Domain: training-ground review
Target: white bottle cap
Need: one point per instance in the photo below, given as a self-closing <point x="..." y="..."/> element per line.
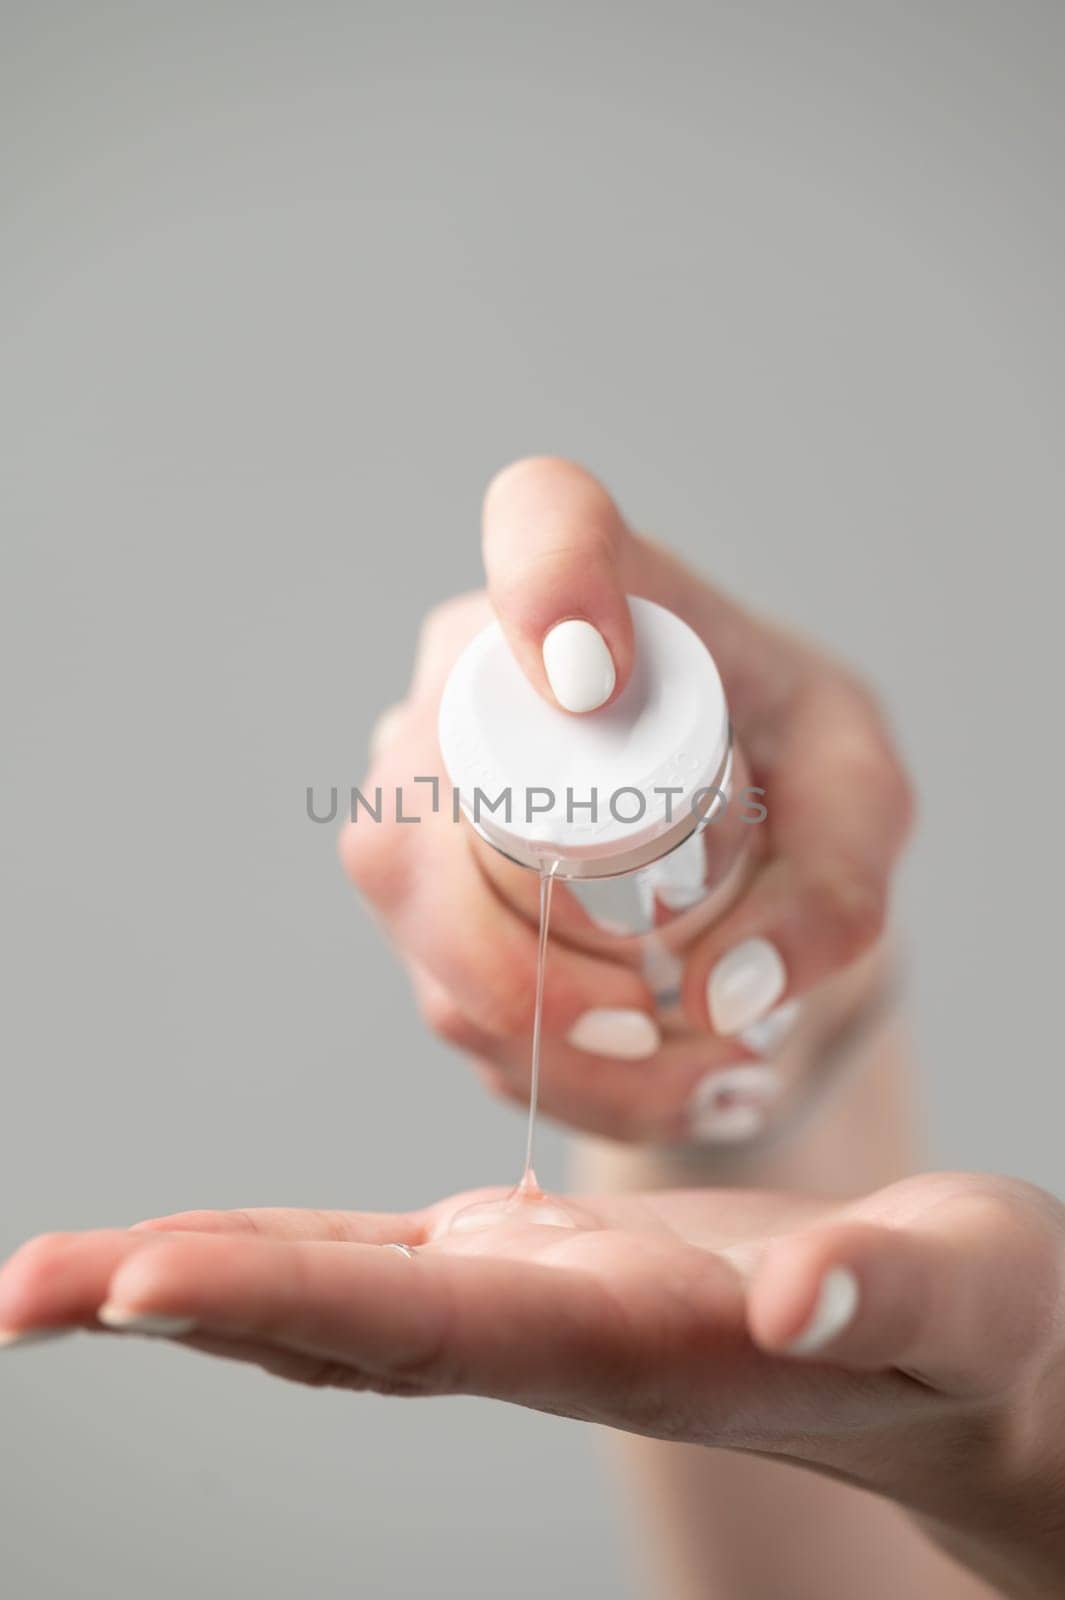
<point x="505" y="747"/>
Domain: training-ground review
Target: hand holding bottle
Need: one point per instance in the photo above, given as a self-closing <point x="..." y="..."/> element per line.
<point x="560" y="564"/>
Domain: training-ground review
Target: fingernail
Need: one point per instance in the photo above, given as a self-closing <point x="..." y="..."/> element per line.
<point x="615" y="1031"/>
<point x="730" y="1106"/>
<point x="837" y="1301"/>
<point x="579" y="666"/>
<point x="745" y="985"/>
<point x="150" y="1322"/>
<point x="766" y="1037"/>
<point x="13" y="1336"/>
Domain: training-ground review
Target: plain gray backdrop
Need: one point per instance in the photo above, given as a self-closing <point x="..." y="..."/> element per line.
<point x="282" y="285"/>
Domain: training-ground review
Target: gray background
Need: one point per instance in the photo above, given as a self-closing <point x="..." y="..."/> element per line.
<point x="282" y="286"/>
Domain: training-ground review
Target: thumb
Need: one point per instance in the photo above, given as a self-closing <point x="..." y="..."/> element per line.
<point x="553" y="547"/>
<point x="963" y="1298"/>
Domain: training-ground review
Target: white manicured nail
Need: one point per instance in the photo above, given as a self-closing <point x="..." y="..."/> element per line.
<point x="730" y="1106"/>
<point x="579" y="666"/>
<point x="149" y="1322"/>
<point x="766" y="1037"/>
<point x="837" y="1301"/>
<point x="9" y="1337"/>
<point x="744" y="986"/>
<point x="615" y="1031"/>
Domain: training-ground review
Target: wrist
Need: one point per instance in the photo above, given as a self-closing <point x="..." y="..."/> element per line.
<point x="1009" y="1523"/>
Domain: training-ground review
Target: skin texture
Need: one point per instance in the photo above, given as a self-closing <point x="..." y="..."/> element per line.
<point x="840" y="807"/>
<point x="839" y="810"/>
<point x="670" y="1316"/>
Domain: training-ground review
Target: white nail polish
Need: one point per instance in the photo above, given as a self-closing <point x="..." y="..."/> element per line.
<point x="730" y="1106"/>
<point x="766" y="1037"/>
<point x="615" y="1031"/>
<point x="9" y="1337"/>
<point x="837" y="1301"/>
<point x="579" y="666"/>
<point x="149" y="1322"/>
<point x="744" y="986"/>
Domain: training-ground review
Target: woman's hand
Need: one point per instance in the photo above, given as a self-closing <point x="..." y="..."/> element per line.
<point x="910" y="1342"/>
<point x="557" y="552"/>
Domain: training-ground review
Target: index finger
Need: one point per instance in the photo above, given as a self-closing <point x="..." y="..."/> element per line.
<point x="553" y="548"/>
<point x="439" y="1323"/>
<point x="286" y="1222"/>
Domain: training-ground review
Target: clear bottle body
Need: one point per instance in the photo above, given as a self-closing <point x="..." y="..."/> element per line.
<point x="648" y="915"/>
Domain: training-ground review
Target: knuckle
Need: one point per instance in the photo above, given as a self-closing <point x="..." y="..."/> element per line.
<point x="332" y="1225"/>
<point x="43" y="1249"/>
<point x="848" y="909"/>
<point x="894" y="783"/>
<point x="506" y="1009"/>
<point x="500" y="1083"/>
<point x="444" y="1018"/>
<point x="245" y="1221"/>
<point x="1030" y="1222"/>
<point x="865" y="700"/>
<point x="41" y="1260"/>
<point x="44" y="1246"/>
<point x="374" y="860"/>
<point x="566" y="999"/>
<point x="1022" y="1226"/>
<point x="429" y="1363"/>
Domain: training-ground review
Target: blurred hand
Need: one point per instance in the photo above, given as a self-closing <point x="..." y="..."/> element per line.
<point x="560" y="562"/>
<point x="911" y="1342"/>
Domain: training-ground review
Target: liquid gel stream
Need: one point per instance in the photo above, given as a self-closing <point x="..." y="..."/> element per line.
<point x="527" y="1202"/>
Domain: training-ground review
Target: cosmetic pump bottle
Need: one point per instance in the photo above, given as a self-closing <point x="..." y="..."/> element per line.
<point x="643" y="810"/>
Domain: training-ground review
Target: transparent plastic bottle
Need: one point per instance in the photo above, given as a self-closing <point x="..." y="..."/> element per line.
<point x="646" y="807"/>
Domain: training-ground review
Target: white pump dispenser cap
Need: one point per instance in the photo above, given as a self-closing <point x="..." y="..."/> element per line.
<point x="668" y="730"/>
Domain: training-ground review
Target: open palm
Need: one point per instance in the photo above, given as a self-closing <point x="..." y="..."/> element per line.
<point x="887" y="1340"/>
